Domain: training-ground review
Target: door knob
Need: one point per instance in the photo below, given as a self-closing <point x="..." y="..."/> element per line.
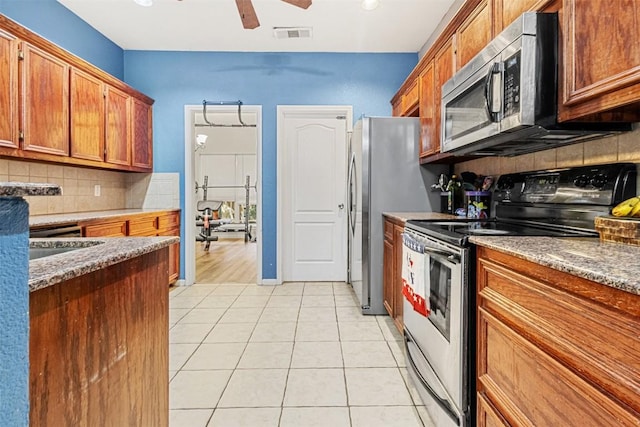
<point x="341" y="206"/>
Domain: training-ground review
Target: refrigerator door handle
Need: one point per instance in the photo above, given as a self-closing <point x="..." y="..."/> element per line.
<point x="353" y="188"/>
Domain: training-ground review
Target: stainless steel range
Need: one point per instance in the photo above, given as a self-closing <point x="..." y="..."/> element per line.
<point x="439" y="265"/>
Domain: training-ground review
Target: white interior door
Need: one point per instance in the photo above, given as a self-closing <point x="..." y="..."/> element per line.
<point x="313" y="197"/>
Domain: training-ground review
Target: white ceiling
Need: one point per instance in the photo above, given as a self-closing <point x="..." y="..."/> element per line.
<point x="214" y="25"/>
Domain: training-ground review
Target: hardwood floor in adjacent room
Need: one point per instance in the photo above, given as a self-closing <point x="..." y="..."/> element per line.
<point x="227" y="261"/>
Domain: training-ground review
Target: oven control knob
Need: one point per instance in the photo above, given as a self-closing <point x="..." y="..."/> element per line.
<point x="599" y="180"/>
<point x="581" y="181"/>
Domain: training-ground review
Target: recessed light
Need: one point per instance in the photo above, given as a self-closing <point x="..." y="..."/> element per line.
<point x="370" y="4"/>
<point x="145" y="3"/>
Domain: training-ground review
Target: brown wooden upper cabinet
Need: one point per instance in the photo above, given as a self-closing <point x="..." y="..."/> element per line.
<point x="444" y="67"/>
<point x="45" y="102"/>
<point x="8" y="90"/>
<point x="56" y="107"/>
<point x="474" y="34"/>
<point x="428" y="136"/>
<point x="601" y="58"/>
<point x="118" y="139"/>
<point x="599" y="63"/>
<point x="87" y="116"/>
<point x="141" y="138"/>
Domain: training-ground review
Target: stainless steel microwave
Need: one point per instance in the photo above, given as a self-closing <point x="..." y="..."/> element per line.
<point x="504" y="101"/>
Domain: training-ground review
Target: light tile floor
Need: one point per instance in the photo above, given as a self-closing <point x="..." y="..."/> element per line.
<point x="295" y="355"/>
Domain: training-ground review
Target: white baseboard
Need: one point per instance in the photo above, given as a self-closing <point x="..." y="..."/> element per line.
<point x="180" y="282"/>
<point x="270" y="282"/>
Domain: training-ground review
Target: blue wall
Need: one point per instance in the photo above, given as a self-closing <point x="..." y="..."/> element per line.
<point x="58" y="24"/>
<point x="14" y="315"/>
<point x="176" y="79"/>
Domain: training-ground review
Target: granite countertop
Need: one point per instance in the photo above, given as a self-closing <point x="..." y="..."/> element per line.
<point x="405" y="216"/>
<point x="612" y="264"/>
<point x="94" y="254"/>
<point x="19" y="189"/>
<point x="56" y="219"/>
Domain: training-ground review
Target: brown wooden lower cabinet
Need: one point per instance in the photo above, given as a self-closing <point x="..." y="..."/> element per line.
<point x="392" y="268"/>
<point x="98" y="347"/>
<point x="554" y="349"/>
<point x="161" y="223"/>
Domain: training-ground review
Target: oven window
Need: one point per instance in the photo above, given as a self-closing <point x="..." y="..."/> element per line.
<point x="440" y="295"/>
<point x="467" y="112"/>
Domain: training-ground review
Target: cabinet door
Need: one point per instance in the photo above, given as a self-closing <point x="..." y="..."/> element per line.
<point x="45" y="102"/>
<point x="87" y="116"/>
<point x="8" y="90"/>
<point x="487" y="416"/>
<point x="397" y="277"/>
<point x="518" y="372"/>
<point x="428" y="132"/>
<point x="118" y="127"/>
<point x="141" y="139"/>
<point x="444" y="66"/>
<point x="410" y="100"/>
<point x="474" y="34"/>
<point x="601" y="56"/>
<point x="174" y="256"/>
<point x="387" y="279"/>
<point x="169" y="225"/>
<point x="506" y="11"/>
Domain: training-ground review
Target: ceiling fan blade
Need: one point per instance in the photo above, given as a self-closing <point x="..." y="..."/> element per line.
<point x="300" y="3"/>
<point x="247" y="14"/>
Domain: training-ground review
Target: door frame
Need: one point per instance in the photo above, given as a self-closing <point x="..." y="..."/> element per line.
<point x="189" y="193"/>
<point x="301" y="111"/>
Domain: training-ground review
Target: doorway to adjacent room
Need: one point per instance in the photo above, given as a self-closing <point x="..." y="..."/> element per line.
<point x="222" y="194"/>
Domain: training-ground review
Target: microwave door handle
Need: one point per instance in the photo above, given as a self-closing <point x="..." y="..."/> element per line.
<point x="488" y="92"/>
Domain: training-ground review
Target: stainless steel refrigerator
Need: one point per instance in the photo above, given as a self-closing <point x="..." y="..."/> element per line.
<point x="384" y="176"/>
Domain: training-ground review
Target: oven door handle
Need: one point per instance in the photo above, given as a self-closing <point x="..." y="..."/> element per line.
<point x="444" y="403"/>
<point x="435" y="251"/>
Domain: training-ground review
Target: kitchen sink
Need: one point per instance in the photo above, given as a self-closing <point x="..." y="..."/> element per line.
<point x="35" y="253"/>
<point x="40" y="248"/>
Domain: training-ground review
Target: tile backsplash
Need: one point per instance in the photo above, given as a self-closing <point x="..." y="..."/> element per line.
<point x="619" y="148"/>
<point x="153" y="191"/>
<point x="118" y="190"/>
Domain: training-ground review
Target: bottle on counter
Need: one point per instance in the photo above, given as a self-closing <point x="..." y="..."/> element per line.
<point x="454" y="196"/>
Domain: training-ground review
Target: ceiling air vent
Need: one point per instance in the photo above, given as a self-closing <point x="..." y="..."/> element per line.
<point x="292" y="32"/>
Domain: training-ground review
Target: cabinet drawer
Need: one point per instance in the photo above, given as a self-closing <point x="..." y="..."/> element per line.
<point x="168" y="221"/>
<point x="105" y="229"/>
<point x="529" y="387"/>
<point x="146" y="225"/>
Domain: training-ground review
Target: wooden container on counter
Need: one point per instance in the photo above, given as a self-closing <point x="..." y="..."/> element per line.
<point x="618" y="229"/>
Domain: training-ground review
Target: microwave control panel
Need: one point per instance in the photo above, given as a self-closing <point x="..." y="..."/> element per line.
<point x="512" y="85"/>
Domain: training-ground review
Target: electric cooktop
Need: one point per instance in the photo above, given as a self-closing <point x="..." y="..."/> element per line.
<point x="459" y="231"/>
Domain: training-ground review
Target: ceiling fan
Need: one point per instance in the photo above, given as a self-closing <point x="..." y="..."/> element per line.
<point x="248" y="13"/>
